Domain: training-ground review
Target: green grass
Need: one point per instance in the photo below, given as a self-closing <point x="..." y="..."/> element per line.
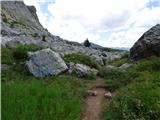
<point x="118" y="62"/>
<point x="25" y="97"/>
<point x="81" y="59"/>
<point x="138" y="96"/>
<point x="56" y="98"/>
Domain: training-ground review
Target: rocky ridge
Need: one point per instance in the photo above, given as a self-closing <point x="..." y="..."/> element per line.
<point x="20" y="25"/>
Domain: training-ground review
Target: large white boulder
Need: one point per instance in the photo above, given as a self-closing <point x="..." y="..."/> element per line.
<point x="45" y="62"/>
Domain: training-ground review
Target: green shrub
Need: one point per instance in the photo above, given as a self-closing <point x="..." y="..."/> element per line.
<point x="18" y="54"/>
<point x="135" y="102"/>
<point x="138" y="92"/>
<point x="81" y="59"/>
<point x="111" y="73"/>
<point x="150" y="64"/>
<point x="7" y="56"/>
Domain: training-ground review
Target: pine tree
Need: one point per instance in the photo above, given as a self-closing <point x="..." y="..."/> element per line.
<point x="87" y="43"/>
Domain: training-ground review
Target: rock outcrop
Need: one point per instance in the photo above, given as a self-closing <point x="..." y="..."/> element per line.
<point x="147" y="45"/>
<point x="45" y="62"/>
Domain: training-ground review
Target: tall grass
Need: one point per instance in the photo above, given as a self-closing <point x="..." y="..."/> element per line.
<point x="55" y="98"/>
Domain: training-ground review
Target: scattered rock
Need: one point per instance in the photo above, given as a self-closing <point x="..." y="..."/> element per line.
<point x="125" y="66"/>
<point x="4" y="66"/>
<point x="92" y="92"/>
<point x="108" y="95"/>
<point x="45" y="62"/>
<point x="147" y="45"/>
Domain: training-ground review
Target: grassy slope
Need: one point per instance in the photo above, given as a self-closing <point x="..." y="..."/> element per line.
<point x="25" y="97"/>
<point x="138" y="91"/>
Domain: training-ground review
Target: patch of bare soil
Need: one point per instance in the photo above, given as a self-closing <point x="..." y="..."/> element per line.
<point x="95" y="100"/>
<point x="93" y="104"/>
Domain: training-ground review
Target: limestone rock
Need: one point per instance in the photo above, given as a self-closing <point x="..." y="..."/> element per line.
<point x="147" y="45"/>
<point x="83" y="70"/>
<point x="92" y="92"/>
<point x="45" y="62"/>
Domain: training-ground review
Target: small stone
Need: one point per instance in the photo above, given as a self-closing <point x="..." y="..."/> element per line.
<point x="108" y="95"/>
<point x="92" y="92"/>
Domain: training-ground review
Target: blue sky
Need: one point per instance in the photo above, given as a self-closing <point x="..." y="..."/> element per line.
<point x="110" y="23"/>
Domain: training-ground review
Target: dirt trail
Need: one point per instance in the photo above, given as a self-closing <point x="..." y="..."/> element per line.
<point x="93" y="105"/>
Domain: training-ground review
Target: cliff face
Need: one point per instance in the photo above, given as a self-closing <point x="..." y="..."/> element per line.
<point x="19" y="19"/>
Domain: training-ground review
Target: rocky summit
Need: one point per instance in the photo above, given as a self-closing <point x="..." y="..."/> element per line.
<point x="147" y="45"/>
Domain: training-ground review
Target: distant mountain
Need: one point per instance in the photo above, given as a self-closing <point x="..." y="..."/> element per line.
<point x="122" y="48"/>
<point x="96" y="46"/>
<point x="93" y="45"/>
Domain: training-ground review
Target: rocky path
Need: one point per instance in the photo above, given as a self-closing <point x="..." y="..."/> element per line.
<point x="94" y="101"/>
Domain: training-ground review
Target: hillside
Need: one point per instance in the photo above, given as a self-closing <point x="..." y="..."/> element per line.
<point x="44" y="77"/>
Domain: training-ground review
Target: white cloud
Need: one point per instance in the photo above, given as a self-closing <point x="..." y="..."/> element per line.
<point x="76" y="20"/>
<point x="125" y="38"/>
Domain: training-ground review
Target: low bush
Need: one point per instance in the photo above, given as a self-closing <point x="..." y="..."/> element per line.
<point x="150" y="64"/>
<point x="7" y="56"/>
<point x="81" y="59"/>
<point x="111" y="73"/>
<point x="118" y="62"/>
<point x="12" y="55"/>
